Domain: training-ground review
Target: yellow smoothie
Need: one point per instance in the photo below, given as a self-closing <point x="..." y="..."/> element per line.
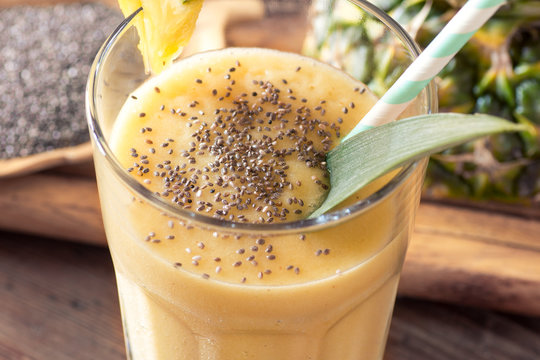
<point x="239" y="135"/>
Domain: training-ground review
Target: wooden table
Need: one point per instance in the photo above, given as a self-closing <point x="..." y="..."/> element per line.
<point x="58" y="302"/>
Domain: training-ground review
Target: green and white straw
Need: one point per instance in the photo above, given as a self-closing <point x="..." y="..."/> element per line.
<point x="429" y="63"/>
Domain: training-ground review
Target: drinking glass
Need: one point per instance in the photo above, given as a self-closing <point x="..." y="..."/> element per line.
<point x="171" y="311"/>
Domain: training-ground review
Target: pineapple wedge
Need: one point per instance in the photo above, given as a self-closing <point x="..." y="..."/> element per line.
<point x="164" y="26"/>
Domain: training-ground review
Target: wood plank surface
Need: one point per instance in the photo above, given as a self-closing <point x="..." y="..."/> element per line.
<point x="59" y="302"/>
<point x="474" y="257"/>
<point x="456" y="255"/>
<point x="54" y="205"/>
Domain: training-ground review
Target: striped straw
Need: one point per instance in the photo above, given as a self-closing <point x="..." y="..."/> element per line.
<point x="429" y="63"/>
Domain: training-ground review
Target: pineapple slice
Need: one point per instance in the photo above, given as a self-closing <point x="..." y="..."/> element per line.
<point x="164" y="26"/>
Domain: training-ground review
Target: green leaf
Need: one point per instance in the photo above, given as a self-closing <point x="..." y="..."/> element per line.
<point x="372" y="153"/>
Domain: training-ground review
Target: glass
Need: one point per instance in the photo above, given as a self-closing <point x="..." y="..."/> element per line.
<point x="172" y="311"/>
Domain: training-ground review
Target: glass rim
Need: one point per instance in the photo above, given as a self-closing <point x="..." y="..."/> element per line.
<point x="328" y="219"/>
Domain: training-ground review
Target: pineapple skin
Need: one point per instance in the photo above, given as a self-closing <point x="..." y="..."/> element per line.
<point x="497" y="72"/>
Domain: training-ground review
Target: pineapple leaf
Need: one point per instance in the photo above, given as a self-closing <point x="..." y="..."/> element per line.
<point x="372" y="153"/>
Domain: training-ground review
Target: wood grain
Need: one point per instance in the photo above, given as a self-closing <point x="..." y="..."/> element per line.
<point x="456" y="255"/>
<point x="474" y="257"/>
<point x="58" y="301"/>
<point x="52" y="205"/>
<point x="421" y="330"/>
<point x="45" y="160"/>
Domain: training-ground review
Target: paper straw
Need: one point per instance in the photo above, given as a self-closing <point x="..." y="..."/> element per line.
<point x="429" y="63"/>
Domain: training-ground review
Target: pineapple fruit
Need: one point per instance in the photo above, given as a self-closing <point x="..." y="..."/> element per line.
<point x="497" y="72"/>
<point x="164" y="27"/>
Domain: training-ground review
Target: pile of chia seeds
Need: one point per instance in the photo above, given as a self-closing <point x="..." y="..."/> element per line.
<point x="45" y="58"/>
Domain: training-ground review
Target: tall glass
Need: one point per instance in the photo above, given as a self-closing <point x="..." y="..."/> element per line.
<point x="172" y="311"/>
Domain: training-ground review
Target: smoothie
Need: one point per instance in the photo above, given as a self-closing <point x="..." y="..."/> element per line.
<point x="240" y="135"/>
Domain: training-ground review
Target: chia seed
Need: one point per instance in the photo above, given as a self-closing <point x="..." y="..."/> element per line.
<point x="45" y="59"/>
